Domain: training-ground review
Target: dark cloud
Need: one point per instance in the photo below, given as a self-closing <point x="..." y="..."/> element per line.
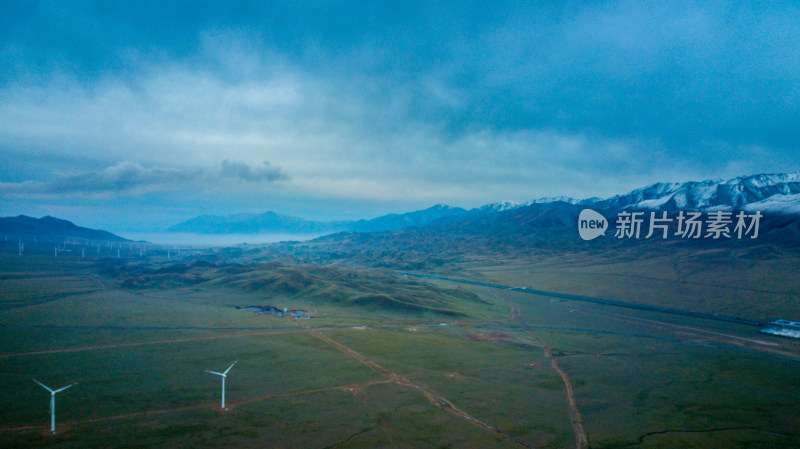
<point x="683" y="73"/>
<point x="123" y="178"/>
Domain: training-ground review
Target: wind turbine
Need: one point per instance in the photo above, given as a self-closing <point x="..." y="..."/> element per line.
<point x="223" y="375"/>
<point x="53" y="402"/>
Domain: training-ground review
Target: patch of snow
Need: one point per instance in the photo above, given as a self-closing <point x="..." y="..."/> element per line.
<point x="553" y="199"/>
<point x="653" y="204"/>
<point x="782" y="332"/>
<point x="720" y="207"/>
<point x="784" y="204"/>
<point x="502" y="205"/>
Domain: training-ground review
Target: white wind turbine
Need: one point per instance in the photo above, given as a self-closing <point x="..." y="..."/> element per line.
<point x="53" y="402"/>
<point x="223" y="375"/>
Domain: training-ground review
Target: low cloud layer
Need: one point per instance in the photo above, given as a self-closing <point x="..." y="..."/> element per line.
<point x="131" y="178"/>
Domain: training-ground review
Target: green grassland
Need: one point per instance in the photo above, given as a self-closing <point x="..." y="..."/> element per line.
<point x="391" y="361"/>
<point x="737" y="282"/>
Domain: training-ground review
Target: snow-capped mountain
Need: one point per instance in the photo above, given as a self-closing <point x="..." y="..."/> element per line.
<point x="500" y="206"/>
<point x="554" y="199"/>
<point x="776" y="193"/>
<point x="785" y="204"/>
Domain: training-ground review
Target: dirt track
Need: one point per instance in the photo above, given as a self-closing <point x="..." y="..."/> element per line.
<point x="434" y="398"/>
<point x="581" y="437"/>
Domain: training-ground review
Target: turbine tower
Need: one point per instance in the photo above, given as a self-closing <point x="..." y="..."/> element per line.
<point x="223" y="375"/>
<point x="53" y="402"/>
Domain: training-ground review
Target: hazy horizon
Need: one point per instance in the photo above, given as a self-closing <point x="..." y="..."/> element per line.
<point x="213" y="240"/>
<point x="157" y="234"/>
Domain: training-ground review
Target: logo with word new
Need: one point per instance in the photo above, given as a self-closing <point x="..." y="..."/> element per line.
<point x="687" y="225"/>
<point x="591" y="224"/>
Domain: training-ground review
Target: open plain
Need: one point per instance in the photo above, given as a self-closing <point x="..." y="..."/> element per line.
<point x="385" y="359"/>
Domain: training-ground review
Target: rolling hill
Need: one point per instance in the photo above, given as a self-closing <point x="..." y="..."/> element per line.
<point x="50" y="229"/>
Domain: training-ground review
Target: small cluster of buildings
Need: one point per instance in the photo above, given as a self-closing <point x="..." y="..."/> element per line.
<point x="272" y="310"/>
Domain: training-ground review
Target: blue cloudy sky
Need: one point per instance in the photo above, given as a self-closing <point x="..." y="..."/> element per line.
<point x="136" y="115"/>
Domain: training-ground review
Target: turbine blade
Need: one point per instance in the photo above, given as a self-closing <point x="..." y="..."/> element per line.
<point x="43" y="386"/>
<point x="64" y="388"/>
<point x="214" y="372"/>
<point x="229" y="368"/>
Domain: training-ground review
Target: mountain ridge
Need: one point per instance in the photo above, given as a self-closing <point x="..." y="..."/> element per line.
<point x="50" y="229"/>
<point x="742" y="192"/>
<point x="776" y="193"/>
<point x="272" y="222"/>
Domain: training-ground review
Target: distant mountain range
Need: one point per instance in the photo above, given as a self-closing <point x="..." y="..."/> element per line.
<point x="50" y="229"/>
<point x="775" y="194"/>
<point x="270" y="222"/>
<point x="394" y="222"/>
<point x="769" y="193"/>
